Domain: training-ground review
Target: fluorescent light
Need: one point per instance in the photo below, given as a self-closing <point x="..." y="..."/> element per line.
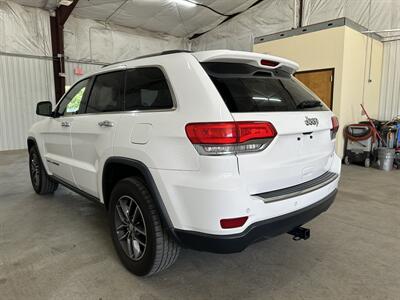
<point x="186" y="3"/>
<point x="267" y="99"/>
<point x="260" y="98"/>
<point x="65" y="2"/>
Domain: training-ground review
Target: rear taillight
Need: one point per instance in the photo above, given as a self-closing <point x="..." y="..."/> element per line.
<point x="230" y="137"/>
<point x="335" y="127"/>
<point x="233" y="223"/>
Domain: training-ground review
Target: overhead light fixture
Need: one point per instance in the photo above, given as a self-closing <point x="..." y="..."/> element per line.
<point x="65" y="2"/>
<point x="267" y="99"/>
<point x="187" y="3"/>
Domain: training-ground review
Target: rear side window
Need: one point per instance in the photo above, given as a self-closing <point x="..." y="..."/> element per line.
<point x="245" y="88"/>
<point x="107" y="93"/>
<point x="147" y="88"/>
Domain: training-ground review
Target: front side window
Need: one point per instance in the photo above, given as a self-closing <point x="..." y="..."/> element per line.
<point x="147" y="88"/>
<point x="72" y="102"/>
<point x="107" y="93"/>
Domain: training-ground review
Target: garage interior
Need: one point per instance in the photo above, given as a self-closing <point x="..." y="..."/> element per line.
<point x="58" y="246"/>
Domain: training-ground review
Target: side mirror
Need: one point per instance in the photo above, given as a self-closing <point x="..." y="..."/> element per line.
<point x="44" y="108"/>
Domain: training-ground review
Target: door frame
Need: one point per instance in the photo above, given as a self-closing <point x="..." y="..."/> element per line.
<point x="323" y="69"/>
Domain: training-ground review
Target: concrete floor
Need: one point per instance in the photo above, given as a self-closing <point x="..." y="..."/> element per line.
<point x="59" y="247"/>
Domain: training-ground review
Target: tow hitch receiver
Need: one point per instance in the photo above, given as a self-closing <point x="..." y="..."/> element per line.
<point x="300" y="233"/>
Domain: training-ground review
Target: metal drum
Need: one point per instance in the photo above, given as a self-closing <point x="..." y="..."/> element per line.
<point x="386" y="158"/>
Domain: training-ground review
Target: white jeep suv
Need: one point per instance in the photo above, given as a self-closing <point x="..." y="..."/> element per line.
<point x="210" y="150"/>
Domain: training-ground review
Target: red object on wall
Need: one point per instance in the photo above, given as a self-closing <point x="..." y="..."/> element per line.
<point x="78" y="71"/>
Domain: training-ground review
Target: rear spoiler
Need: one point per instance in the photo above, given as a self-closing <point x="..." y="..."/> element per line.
<point x="256" y="59"/>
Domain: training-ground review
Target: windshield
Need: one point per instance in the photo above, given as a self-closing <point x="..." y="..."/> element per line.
<point x="246" y="88"/>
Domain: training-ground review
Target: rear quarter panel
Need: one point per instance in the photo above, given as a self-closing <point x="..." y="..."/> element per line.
<point x="196" y="100"/>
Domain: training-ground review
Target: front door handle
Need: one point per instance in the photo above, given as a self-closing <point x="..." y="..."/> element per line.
<point x="65" y="124"/>
<point x="106" y="123"/>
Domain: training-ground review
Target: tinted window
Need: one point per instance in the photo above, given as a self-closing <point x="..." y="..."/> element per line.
<point x="72" y="101"/>
<point x="107" y="93"/>
<point x="245" y="88"/>
<point x="147" y="88"/>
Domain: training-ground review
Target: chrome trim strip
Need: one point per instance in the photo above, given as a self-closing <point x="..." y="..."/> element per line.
<point x="52" y="162"/>
<point x="330" y="177"/>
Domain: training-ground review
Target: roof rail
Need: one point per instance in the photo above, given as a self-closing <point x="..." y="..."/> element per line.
<point x="150" y="55"/>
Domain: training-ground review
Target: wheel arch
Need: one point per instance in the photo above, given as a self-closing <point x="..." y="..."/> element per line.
<point x="117" y="168"/>
<point x="31" y="142"/>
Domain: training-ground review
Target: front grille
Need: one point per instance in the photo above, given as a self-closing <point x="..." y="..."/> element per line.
<point x="299" y="189"/>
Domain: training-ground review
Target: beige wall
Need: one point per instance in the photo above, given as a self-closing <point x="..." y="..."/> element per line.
<point x="343" y="49"/>
<point x="356" y="74"/>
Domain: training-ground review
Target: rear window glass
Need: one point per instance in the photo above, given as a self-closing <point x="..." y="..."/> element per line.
<point x="147" y="88"/>
<point x="245" y="88"/>
<point x="107" y="93"/>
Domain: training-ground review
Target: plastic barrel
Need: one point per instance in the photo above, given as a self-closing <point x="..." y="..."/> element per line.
<point x="386" y="158"/>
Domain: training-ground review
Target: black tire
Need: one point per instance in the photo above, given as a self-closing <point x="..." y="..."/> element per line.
<point x="144" y="246"/>
<point x="41" y="182"/>
<point x="367" y="162"/>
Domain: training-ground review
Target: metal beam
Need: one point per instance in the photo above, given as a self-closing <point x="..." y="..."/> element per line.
<point x="382" y="31"/>
<point x="301" y="8"/>
<point x="315" y="27"/>
<point x="57" y="21"/>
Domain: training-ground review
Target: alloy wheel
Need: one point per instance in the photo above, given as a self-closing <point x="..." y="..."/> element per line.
<point x="130" y="227"/>
<point x="35" y="171"/>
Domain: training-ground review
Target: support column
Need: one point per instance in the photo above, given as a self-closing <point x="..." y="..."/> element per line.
<point x="301" y="8"/>
<point x="57" y="21"/>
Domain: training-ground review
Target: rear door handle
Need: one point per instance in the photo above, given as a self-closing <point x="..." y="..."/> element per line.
<point x="106" y="123"/>
<point x="65" y="124"/>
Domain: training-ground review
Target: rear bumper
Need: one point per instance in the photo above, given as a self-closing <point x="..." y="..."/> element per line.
<point x="255" y="232"/>
<point x="196" y="201"/>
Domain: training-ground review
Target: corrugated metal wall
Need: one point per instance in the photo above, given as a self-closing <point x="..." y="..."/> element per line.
<point x="24" y="81"/>
<point x="390" y="88"/>
<point x="70" y="67"/>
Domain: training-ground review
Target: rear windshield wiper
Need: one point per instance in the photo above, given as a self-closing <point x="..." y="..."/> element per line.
<point x="309" y="104"/>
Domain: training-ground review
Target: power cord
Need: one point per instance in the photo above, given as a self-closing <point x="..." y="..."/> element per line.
<point x="208" y="7"/>
<point x="228" y="17"/>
